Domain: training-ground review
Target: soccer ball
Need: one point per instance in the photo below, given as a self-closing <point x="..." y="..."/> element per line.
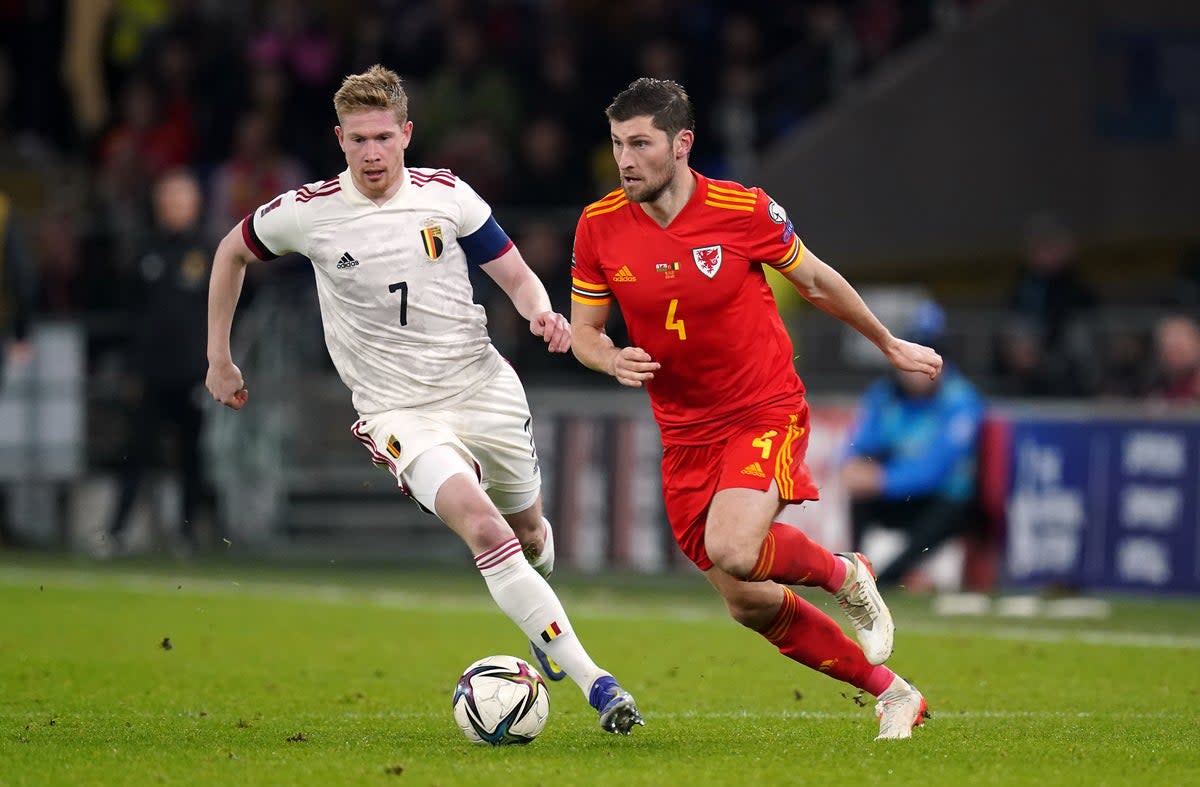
<point x="501" y="700"/>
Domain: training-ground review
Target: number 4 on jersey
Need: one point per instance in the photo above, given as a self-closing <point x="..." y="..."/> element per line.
<point x="674" y="324"/>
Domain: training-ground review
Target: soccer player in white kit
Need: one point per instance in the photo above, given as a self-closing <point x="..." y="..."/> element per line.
<point x="438" y="406"/>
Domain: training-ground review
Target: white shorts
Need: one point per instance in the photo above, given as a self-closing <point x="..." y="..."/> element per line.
<point x="492" y="431"/>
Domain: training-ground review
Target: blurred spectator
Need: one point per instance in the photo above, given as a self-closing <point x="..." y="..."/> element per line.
<point x="1124" y="372"/>
<point x="661" y="58"/>
<point x="292" y="37"/>
<point x="547" y="176"/>
<point x="268" y="94"/>
<point x="1024" y="368"/>
<point x="468" y="90"/>
<point x="1047" y="347"/>
<point x="172" y="64"/>
<point x="912" y="456"/>
<point x="196" y="52"/>
<point x="735" y="121"/>
<point x="1177" y="360"/>
<point x="735" y="113"/>
<point x="254" y="173"/>
<point x="296" y="40"/>
<point x="816" y="67"/>
<point x="557" y="85"/>
<point x="168" y="359"/>
<point x="65" y="276"/>
<point x="141" y="146"/>
<point x="17" y="283"/>
<point x="1049" y="291"/>
<point x="148" y="139"/>
<point x="470" y="110"/>
<point x="372" y="39"/>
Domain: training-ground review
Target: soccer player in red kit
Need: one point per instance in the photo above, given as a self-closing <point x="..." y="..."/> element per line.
<point x="683" y="256"/>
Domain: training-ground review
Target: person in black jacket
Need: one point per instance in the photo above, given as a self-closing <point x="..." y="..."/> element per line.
<point x="169" y="288"/>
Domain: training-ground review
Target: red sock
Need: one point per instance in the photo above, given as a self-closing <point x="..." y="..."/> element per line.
<point x="792" y="558"/>
<point x="807" y="635"/>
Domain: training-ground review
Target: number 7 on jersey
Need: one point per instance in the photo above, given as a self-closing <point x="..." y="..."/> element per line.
<point x="403" y="287"/>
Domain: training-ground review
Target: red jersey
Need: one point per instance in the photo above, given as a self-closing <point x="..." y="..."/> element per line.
<point x="695" y="297"/>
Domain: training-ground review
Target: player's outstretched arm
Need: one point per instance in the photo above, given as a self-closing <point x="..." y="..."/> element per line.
<point x="528" y="295"/>
<point x="828" y="290"/>
<point x="224" y="380"/>
<point x="632" y="366"/>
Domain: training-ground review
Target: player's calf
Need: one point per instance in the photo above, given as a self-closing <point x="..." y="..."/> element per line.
<point x="543" y="559"/>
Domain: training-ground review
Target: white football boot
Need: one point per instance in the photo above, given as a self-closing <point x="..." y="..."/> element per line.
<point x="860" y="598"/>
<point x="900" y="710"/>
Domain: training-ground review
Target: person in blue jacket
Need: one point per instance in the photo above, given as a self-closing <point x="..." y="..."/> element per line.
<point x="910" y="463"/>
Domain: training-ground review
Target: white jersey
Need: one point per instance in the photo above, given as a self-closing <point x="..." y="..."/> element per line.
<point x="400" y="321"/>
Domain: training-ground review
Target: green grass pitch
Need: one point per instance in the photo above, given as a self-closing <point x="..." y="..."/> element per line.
<point x="237" y="674"/>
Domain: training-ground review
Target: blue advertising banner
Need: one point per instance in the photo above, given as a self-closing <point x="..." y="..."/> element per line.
<point x="1104" y="504"/>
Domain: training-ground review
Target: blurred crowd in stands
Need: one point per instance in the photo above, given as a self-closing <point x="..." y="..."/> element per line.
<point x="101" y="100"/>
<point x="1062" y="339"/>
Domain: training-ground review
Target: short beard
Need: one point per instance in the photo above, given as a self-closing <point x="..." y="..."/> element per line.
<point x="654" y="194"/>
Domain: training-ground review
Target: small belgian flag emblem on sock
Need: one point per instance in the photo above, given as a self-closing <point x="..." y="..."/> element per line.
<point x="551" y="632"/>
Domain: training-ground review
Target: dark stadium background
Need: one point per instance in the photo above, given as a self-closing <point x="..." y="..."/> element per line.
<point x="926" y="148"/>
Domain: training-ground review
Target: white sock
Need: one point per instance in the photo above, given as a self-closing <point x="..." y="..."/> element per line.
<point x="528" y="600"/>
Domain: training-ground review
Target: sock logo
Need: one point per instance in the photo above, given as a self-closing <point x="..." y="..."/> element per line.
<point x="552" y="631"/>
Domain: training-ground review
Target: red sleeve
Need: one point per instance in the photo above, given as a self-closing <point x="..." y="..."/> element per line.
<point x="771" y="238"/>
<point x="588" y="285"/>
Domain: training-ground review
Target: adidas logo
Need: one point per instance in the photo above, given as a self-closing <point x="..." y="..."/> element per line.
<point x="754" y="469"/>
<point x="624" y="275"/>
<point x="347" y="261"/>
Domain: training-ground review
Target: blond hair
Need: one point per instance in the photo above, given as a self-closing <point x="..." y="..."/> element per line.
<point x="375" y="88"/>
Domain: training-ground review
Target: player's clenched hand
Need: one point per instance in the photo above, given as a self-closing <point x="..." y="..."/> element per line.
<point x="911" y="357"/>
<point x="225" y="383"/>
<point x="554" y="328"/>
<point x="633" y="366"/>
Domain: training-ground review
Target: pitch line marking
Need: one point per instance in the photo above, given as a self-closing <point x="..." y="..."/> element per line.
<point x="162" y="584"/>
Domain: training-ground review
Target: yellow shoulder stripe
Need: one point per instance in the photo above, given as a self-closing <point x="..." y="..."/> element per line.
<point x="607" y="198"/>
<point x="600" y="210"/>
<point x="741" y="193"/>
<point x="729" y="206"/>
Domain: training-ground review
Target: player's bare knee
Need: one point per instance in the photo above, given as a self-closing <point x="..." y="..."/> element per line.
<point x="732" y="558"/>
<point x="485" y="529"/>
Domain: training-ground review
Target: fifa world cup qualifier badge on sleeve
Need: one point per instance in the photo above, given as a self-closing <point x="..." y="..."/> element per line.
<point x="779" y="216"/>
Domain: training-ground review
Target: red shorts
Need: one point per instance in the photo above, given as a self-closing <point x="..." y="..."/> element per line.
<point x="752" y="457"/>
